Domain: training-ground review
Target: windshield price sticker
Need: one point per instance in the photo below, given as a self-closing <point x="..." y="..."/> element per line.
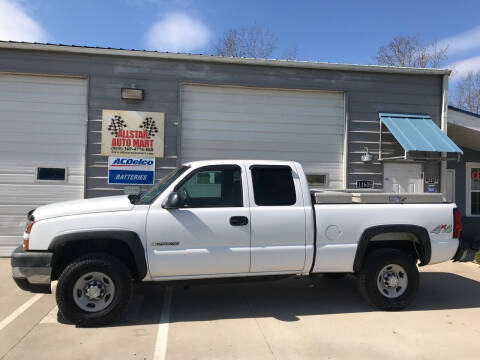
<point x="125" y="170"/>
<point x="132" y="133"/>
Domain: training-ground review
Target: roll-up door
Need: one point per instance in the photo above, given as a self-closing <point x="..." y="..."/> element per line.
<point x="42" y="145"/>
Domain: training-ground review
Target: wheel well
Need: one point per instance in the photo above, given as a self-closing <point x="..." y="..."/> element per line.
<point x="66" y="253"/>
<point x="406" y="246"/>
<point x="413" y="240"/>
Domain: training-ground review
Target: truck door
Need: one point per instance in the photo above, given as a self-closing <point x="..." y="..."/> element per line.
<point x="277" y="219"/>
<point x="209" y="233"/>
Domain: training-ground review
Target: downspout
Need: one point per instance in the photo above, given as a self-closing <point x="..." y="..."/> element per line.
<point x="444" y="126"/>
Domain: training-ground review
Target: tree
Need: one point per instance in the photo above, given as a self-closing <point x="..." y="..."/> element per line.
<point x="409" y="51"/>
<point x="254" y="42"/>
<point x="291" y="53"/>
<point x="468" y="92"/>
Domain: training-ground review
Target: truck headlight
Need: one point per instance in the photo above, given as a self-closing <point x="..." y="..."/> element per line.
<point x="26" y="234"/>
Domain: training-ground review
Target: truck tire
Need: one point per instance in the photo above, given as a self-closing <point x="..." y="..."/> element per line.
<point x="94" y="290"/>
<point x="389" y="279"/>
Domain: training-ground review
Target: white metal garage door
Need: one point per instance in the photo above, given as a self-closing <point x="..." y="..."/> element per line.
<point x="220" y="122"/>
<point x="43" y="124"/>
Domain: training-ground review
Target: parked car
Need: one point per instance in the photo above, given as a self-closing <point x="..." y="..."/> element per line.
<point x="229" y="219"/>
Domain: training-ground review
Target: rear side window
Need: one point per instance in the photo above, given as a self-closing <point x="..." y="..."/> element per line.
<point x="273" y="186"/>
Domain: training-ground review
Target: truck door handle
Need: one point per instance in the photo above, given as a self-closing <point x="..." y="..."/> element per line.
<point x="238" y="220"/>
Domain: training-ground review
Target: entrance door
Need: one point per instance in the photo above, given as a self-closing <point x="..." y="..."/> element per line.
<point x="402" y="178"/>
<point x="450" y="192"/>
<point x="209" y="233"/>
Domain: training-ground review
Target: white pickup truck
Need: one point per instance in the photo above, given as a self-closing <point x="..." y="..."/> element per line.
<point x="228" y="219"/>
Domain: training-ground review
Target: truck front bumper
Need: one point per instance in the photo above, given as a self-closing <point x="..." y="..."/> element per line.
<point x="32" y="270"/>
<point x="467" y="248"/>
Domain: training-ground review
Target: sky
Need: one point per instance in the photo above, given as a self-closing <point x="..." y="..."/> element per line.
<point x="325" y="31"/>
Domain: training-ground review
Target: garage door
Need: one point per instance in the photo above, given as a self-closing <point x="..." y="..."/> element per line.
<point x="42" y="146"/>
<point x="255" y="123"/>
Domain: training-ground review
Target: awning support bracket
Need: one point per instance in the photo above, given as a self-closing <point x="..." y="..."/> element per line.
<point x="380" y="157"/>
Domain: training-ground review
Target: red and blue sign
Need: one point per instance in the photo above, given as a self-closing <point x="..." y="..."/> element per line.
<point x="131" y="171"/>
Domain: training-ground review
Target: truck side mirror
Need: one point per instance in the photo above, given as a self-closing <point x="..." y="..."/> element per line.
<point x="133" y="198"/>
<point x="173" y="201"/>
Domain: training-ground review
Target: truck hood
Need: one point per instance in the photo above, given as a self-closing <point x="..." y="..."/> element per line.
<point x="84" y="206"/>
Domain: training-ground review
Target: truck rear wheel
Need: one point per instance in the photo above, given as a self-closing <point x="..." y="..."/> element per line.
<point x="94" y="290"/>
<point x="389" y="279"/>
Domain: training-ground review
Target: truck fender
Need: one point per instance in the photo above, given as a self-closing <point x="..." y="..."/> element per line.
<point x="130" y="238"/>
<point x="421" y="234"/>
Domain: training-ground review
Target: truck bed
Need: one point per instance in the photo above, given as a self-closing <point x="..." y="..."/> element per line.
<point x="339" y="228"/>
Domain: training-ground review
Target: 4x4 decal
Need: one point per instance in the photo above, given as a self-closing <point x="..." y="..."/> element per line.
<point x="443" y="228"/>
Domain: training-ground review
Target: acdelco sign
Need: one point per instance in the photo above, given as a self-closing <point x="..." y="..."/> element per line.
<point x="132" y="171"/>
<point x="132" y="162"/>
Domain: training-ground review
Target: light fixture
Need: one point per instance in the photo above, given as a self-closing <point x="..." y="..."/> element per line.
<point x="132" y="93"/>
<point x="366" y="157"/>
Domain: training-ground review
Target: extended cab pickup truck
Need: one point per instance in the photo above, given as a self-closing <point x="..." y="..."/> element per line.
<point x="228" y="219"/>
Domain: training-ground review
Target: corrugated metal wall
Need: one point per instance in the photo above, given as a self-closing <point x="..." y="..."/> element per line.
<point x="366" y="95"/>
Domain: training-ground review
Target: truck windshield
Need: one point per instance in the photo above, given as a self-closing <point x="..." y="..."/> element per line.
<point x="148" y="196"/>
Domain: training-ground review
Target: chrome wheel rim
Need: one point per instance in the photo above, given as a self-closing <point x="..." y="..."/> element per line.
<point x="93" y="291"/>
<point x="392" y="281"/>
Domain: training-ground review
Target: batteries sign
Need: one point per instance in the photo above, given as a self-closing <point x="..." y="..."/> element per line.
<point x="127" y="170"/>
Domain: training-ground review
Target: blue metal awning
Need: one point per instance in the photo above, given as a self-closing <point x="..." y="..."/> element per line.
<point x="417" y="132"/>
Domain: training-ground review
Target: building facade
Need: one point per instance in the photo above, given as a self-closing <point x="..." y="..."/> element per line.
<point x="324" y="115"/>
<point x="463" y="174"/>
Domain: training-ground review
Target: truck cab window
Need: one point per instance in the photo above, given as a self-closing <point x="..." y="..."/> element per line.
<point x="214" y="186"/>
<point x="151" y="194"/>
<point x="273" y="186"/>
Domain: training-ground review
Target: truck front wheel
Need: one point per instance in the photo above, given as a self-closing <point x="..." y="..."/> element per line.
<point x="389" y="279"/>
<point x="94" y="290"/>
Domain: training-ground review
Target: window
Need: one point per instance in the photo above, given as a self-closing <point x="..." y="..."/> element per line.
<point x="151" y="194"/>
<point x="212" y="186"/>
<point x="204" y="178"/>
<point x="51" y="174"/>
<point x="213" y="177"/>
<point x="273" y="185"/>
<point x="473" y="189"/>
<point x="319" y="180"/>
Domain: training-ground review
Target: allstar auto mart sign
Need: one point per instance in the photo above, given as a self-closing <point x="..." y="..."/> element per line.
<point x="132" y="133"/>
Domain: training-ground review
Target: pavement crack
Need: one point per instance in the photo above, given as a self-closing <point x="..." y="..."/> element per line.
<point x="260" y="328"/>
